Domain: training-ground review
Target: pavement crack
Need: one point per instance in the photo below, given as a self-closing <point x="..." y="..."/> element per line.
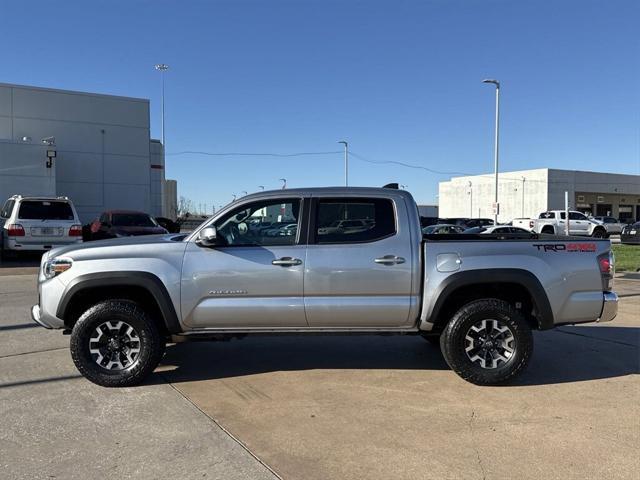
<point x="219" y="425"/>
<point x="475" y="448"/>
<point x="31" y="353"/>
<point x="597" y="338"/>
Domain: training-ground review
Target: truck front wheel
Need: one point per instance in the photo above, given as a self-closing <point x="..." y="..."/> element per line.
<point x="487" y="342"/>
<point x="116" y="344"/>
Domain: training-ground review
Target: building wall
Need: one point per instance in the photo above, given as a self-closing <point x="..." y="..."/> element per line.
<point x="156" y="172"/>
<point x="473" y="196"/>
<point x="104" y="153"/>
<point x="544" y="189"/>
<point x="171" y="199"/>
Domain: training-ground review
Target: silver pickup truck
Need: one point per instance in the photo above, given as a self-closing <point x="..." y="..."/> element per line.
<point x="478" y="296"/>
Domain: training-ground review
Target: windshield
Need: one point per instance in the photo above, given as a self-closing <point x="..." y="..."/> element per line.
<point x="133" y="220"/>
<point x="45" y="210"/>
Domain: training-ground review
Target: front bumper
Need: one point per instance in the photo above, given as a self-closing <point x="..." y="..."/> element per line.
<point x="45" y="320"/>
<point x="609" y="307"/>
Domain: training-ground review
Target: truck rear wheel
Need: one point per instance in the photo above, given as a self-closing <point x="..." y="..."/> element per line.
<point x="116" y="344"/>
<point x="487" y="342"/>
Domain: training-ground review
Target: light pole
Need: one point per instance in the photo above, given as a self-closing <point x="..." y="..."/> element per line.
<point x="161" y="67"/>
<point x="261" y="187"/>
<point x="470" y="200"/>
<point x="244" y="193"/>
<point x="234" y="197"/>
<point x="495" y="147"/>
<point x="346" y="162"/>
<point x="284" y="182"/>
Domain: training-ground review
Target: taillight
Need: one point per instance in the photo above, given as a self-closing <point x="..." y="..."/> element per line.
<point x="531" y="223"/>
<point x="606" y="263"/>
<point x="75" y="231"/>
<point x="15" y="230"/>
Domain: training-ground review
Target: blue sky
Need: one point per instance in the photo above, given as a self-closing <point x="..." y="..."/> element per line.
<point x="400" y="80"/>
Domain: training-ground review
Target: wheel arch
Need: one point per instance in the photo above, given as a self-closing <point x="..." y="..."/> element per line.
<point x="144" y="287"/>
<point x="510" y="284"/>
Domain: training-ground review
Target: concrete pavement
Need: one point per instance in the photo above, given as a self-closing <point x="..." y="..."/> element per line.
<point x="57" y="425"/>
<point x="322" y="407"/>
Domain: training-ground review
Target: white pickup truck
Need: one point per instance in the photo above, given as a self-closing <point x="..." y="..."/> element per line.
<point x="554" y="222"/>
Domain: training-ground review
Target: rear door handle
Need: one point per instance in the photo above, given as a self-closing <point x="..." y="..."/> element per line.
<point x="286" y="262"/>
<point x="389" y="260"/>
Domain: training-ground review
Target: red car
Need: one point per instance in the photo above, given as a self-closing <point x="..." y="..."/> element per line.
<point x="124" y="223"/>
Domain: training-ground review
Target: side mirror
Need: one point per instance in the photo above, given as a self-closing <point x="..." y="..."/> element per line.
<point x="208" y="237"/>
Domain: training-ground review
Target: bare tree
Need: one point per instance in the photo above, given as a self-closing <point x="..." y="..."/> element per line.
<point x="185" y="206"/>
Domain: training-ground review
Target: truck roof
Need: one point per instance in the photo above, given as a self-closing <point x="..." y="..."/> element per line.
<point x="332" y="191"/>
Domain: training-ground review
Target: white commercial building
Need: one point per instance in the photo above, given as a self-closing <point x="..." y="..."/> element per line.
<point x="527" y="193"/>
<point x="95" y="149"/>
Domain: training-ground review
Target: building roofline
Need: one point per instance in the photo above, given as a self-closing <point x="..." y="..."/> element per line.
<point x="73" y="92"/>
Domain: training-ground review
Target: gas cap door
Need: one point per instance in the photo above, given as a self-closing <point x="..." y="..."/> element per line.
<point x="448" y="262"/>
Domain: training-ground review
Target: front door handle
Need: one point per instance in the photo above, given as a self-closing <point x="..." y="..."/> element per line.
<point x="389" y="260"/>
<point x="286" y="262"/>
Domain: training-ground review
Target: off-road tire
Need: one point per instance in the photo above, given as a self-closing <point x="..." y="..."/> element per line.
<point x="151" y="343"/>
<point x="453" y="343"/>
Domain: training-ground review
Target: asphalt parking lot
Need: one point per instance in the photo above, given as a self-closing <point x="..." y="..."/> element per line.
<point x="321" y="407"/>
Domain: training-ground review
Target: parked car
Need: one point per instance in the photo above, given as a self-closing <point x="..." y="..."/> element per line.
<point x="611" y="224"/>
<point x="123" y="300"/>
<point x="479" y="222"/>
<point x="38" y="224"/>
<point x="631" y="234"/>
<point x="168" y="224"/>
<point x="442" y="229"/>
<point x="345" y="226"/>
<point x="124" y="223"/>
<point x="524" y="223"/>
<point x="461" y="221"/>
<point x="553" y="222"/>
<point x="499" y="229"/>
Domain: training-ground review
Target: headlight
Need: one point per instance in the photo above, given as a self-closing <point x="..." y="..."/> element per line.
<point x="56" y="266"/>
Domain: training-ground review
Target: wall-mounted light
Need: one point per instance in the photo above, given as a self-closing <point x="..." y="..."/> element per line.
<point x="51" y="154"/>
<point x="25" y="139"/>
<point x="49" y="140"/>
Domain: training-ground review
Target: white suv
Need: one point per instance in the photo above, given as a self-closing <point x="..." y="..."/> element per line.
<point x="38" y="224"/>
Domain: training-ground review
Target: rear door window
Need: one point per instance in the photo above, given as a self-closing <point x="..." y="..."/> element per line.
<point x="45" y="210"/>
<point x="353" y="220"/>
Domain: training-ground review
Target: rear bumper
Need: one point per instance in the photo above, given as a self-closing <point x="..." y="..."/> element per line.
<point x="31" y="246"/>
<point x="609" y="307"/>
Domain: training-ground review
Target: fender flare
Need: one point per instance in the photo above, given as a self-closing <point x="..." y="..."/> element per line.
<point x="146" y="280"/>
<point x="517" y="276"/>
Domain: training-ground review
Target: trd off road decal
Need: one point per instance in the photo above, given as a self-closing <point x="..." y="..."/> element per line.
<point x="568" y="247"/>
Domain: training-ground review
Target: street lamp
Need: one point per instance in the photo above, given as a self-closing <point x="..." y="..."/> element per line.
<point x="244" y="192"/>
<point x="470" y="199"/>
<point x="284" y="182"/>
<point x="346" y="162"/>
<point x="261" y="187"/>
<point x="234" y="197"/>
<point x="496" y="207"/>
<point x="161" y="67"/>
<point x="523" y="180"/>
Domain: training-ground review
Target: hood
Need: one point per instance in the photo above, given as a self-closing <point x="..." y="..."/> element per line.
<point x="172" y="238"/>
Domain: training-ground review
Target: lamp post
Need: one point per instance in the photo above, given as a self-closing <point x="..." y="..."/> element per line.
<point x="261" y="187"/>
<point x="161" y="67"/>
<point x="470" y="199"/>
<point x="495" y="147"/>
<point x="346" y="162"/>
<point x="284" y="183"/>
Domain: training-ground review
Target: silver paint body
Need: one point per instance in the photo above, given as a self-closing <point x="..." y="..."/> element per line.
<point x="338" y="287"/>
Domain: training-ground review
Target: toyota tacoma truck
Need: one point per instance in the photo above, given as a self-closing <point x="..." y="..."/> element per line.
<point x="478" y="296"/>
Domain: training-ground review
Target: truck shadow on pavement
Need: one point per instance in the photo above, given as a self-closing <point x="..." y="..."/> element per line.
<point x="569" y="354"/>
